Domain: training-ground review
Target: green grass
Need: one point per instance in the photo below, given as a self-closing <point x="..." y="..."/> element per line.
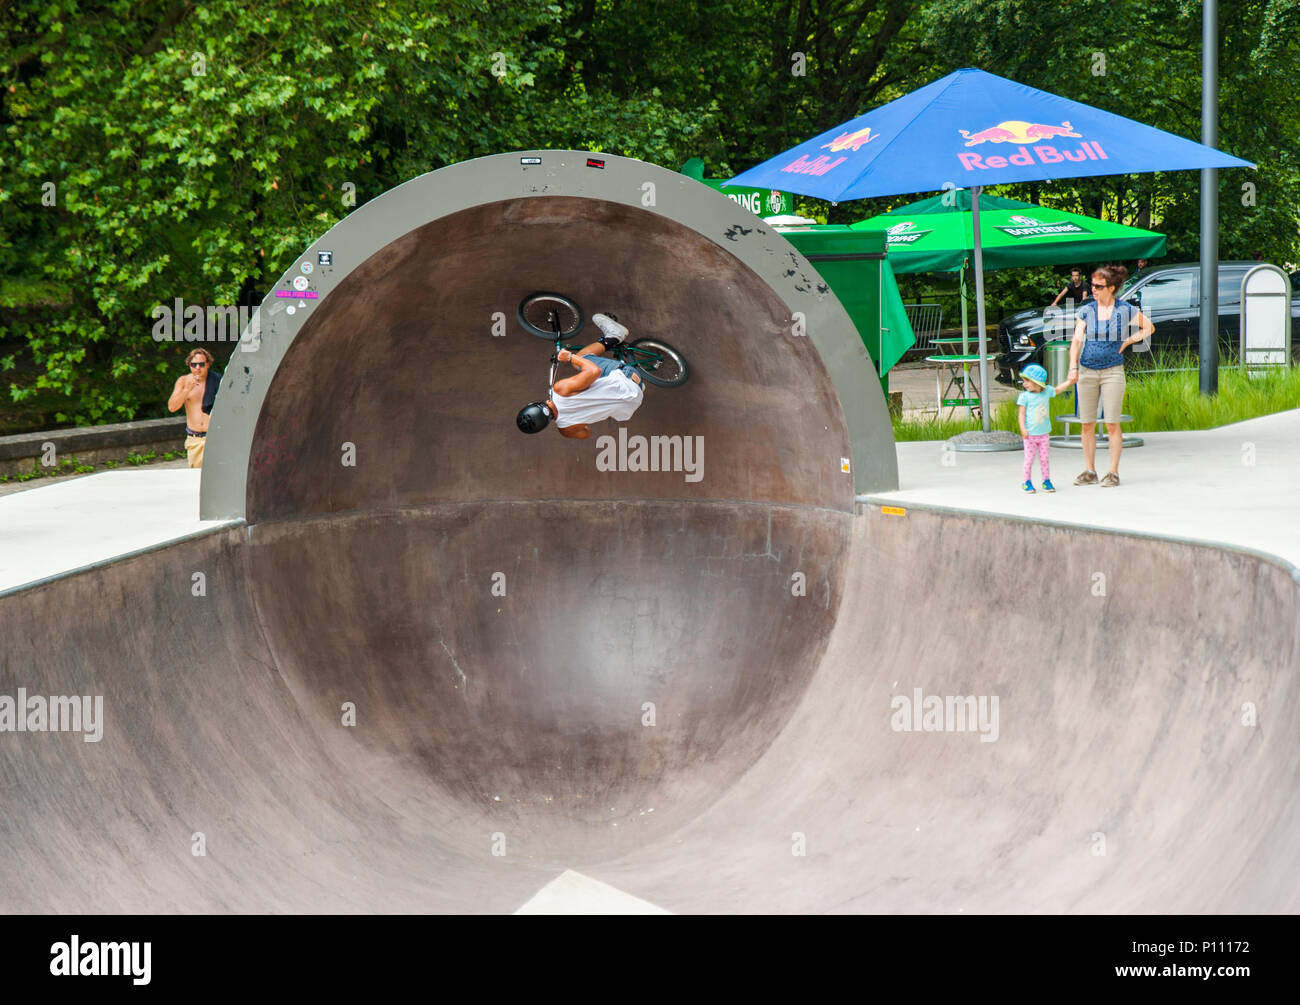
<point x="70" y="465"/>
<point x="1005" y="415"/>
<point x="1158" y="401"/>
<point x="1165" y="401"/>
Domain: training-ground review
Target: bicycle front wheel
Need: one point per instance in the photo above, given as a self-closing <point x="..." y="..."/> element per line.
<point x="657" y="362"/>
<point x="551" y="316"/>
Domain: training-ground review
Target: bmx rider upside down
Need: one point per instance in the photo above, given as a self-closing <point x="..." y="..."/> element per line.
<point x="601" y="389"/>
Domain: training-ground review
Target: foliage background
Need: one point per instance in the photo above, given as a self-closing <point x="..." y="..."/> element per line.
<point x="195" y="148"/>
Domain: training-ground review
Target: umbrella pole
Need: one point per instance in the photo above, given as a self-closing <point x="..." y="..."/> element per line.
<point x="979" y="306"/>
<point x="965" y="336"/>
<point x="965" y="322"/>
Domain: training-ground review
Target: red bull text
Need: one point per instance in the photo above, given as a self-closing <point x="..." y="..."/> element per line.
<point x="818" y="166"/>
<point x="1026" y="134"/>
<point x="1089" y="150"/>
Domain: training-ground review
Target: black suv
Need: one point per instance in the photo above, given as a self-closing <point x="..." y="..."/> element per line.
<point x="1169" y="295"/>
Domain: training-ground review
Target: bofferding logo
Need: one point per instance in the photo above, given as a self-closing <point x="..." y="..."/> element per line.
<point x="1027" y="226"/>
<point x="904" y="233"/>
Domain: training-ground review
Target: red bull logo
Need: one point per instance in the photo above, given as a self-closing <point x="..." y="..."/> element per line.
<point x="851" y="141"/>
<point x="1030" y="136"/>
<point x="1015" y="131"/>
<point x="820" y="164"/>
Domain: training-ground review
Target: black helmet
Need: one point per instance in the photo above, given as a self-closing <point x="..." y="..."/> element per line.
<point x="533" y="418"/>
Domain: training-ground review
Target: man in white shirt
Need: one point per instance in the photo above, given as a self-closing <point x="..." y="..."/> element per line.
<point x="601" y="389"/>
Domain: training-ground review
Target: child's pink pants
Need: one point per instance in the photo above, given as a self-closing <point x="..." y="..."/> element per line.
<point x="1040" y="445"/>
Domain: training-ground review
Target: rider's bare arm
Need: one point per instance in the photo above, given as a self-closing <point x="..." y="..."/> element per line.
<point x="588" y="373"/>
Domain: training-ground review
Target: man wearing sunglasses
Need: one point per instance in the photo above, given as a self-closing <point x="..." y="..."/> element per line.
<point x="196" y="390"/>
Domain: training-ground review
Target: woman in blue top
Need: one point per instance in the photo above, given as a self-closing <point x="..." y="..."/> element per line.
<point x="1104" y="328"/>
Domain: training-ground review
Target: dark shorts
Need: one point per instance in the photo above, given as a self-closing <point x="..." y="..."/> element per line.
<point x="608" y="366"/>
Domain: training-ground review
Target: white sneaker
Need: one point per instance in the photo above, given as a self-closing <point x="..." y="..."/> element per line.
<point x="610" y="328"/>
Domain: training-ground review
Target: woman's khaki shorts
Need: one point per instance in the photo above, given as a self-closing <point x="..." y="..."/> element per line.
<point x="1109" y="384"/>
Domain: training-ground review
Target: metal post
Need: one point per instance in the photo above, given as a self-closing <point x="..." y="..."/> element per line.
<point x="965" y="338"/>
<point x="979" y="306"/>
<point x="1209" y="200"/>
<point x="965" y="321"/>
<point x="880" y="320"/>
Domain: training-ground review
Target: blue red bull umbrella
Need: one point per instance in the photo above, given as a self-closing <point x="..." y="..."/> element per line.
<point x="974" y="128"/>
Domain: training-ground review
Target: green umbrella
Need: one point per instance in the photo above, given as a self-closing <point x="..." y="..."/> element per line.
<point x="936" y="235"/>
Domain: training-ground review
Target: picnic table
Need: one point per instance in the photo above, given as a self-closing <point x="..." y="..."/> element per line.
<point x="957" y="371"/>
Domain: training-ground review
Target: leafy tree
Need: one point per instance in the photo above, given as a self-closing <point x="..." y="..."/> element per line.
<point x="187" y="150"/>
<point x="156" y="149"/>
<point x="1142" y="59"/>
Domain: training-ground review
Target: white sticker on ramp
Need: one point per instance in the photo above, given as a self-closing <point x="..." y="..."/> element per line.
<point x="573" y="893"/>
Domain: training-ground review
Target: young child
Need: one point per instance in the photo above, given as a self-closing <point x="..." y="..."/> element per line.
<point x="1036" y="422"/>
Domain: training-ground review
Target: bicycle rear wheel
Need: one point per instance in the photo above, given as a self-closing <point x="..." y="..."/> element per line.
<point x="551" y="316"/>
<point x="656" y="361"/>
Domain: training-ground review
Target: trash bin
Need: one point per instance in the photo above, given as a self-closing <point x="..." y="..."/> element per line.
<point x="1056" y="360"/>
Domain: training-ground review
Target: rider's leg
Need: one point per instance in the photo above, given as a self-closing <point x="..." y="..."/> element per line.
<point x="610" y="328"/>
<point x="596" y="353"/>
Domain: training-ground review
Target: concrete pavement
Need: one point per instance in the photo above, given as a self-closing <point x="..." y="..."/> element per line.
<point x="81" y="521"/>
<point x="1195" y="810"/>
<point x="1237" y="486"/>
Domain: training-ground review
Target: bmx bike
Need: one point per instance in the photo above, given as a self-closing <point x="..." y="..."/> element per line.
<point x="557" y="318"/>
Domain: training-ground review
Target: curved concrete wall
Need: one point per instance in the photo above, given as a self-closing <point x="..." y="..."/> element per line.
<point x="488" y="232"/>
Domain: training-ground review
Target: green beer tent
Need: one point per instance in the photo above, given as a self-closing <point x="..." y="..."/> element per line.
<point x="937" y="236"/>
<point x="854" y="265"/>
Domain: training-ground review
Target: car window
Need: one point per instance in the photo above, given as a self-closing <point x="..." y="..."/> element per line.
<point x="1230" y="285"/>
<point x="1170" y="291"/>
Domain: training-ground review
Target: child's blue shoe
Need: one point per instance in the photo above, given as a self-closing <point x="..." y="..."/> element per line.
<point x="1048" y="486"/>
<point x="1029" y="486"/>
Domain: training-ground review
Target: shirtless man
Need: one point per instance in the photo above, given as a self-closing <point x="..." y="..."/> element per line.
<point x="601" y="389"/>
<point x="196" y="391"/>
